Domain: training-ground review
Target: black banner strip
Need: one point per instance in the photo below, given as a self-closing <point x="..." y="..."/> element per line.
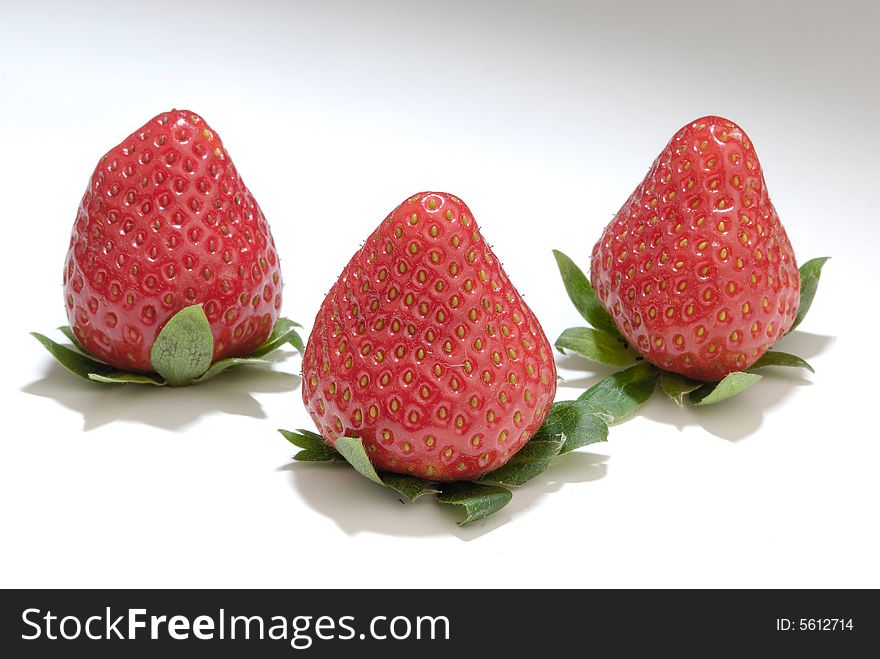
<point x="434" y="623"/>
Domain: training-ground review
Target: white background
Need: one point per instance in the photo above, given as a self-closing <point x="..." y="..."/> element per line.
<point x="543" y="117"/>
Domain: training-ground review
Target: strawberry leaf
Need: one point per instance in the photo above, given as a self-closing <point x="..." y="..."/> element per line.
<point x="307" y="455"/>
<point x="479" y="500"/>
<point x="87" y="368"/>
<point x="810" y="272"/>
<point x="620" y="394"/>
<point x="296" y="341"/>
<point x="184" y="347"/>
<point x="409" y="486"/>
<point x="304" y="438"/>
<point x="123" y="377"/>
<point x="676" y="386"/>
<point x="776" y="358"/>
<point x="227" y="362"/>
<point x="576" y="422"/>
<point x="531" y="460"/>
<point x="598" y="346"/>
<point x="352" y="449"/>
<point x="314" y="448"/>
<point x="582" y="295"/>
<point x="283" y="332"/>
<point x="731" y="385"/>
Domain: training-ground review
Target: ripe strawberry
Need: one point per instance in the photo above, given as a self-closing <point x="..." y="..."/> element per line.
<point x="166" y="223"/>
<point x="425" y="350"/>
<point x="696" y="269"/>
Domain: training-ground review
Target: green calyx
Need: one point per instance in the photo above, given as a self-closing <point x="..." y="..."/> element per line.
<point x="184" y="348"/>
<point x="181" y="354"/>
<point x="569" y="425"/>
<point x="603" y="343"/>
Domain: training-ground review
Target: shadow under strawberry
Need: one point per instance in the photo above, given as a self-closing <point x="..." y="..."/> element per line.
<point x="152" y="406"/>
<point x="745" y="416"/>
<point x="357" y="506"/>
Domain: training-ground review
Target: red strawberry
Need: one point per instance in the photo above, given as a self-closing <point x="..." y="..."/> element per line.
<point x="696" y="269"/>
<point x="425" y="350"/>
<point x="166" y="223"/>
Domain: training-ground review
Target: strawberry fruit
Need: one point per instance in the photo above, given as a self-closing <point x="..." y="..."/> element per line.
<point x="425" y="351"/>
<point x="696" y="269"/>
<point x="167" y="223"/>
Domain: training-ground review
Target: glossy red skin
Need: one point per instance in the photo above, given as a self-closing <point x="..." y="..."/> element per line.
<point x="696" y="268"/>
<point x="402" y="344"/>
<point x="166" y="222"/>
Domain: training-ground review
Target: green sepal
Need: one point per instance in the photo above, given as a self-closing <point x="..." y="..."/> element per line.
<point x="732" y="384"/>
<point x="479" y="500"/>
<point x="409" y="486"/>
<point x="283" y="332"/>
<point x="314" y="448"/>
<point x="532" y="459"/>
<point x="221" y="365"/>
<point x="582" y="295"/>
<point x="352" y="449"/>
<point x="184" y="347"/>
<point x="596" y="345"/>
<point x="776" y="358"/>
<point x="676" y="386"/>
<point x="88" y="368"/>
<point x="304" y="438"/>
<point x="296" y="341"/>
<point x="619" y="395"/>
<point x="124" y="377"/>
<point x="576" y="421"/>
<point x="809" y="274"/>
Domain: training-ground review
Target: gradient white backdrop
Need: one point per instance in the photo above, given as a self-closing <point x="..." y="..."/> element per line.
<point x="542" y="117"/>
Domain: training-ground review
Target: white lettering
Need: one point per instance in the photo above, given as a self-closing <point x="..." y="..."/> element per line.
<point x="77" y="626"/>
<point x="89" y="633"/>
<point x="155" y="621"/>
<point x="203" y="628"/>
<point x="24" y="619"/>
<point x="247" y="625"/>
<point x="134" y="623"/>
<point x="113" y="627"/>
<point x="322" y="623"/>
<point x="49" y="618"/>
<point x="278" y="630"/>
<point x="301" y="641"/>
<point x="432" y="621"/>
<point x="343" y="624"/>
<point x="178" y="628"/>
<point x="394" y="622"/>
<point x="373" y="633"/>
